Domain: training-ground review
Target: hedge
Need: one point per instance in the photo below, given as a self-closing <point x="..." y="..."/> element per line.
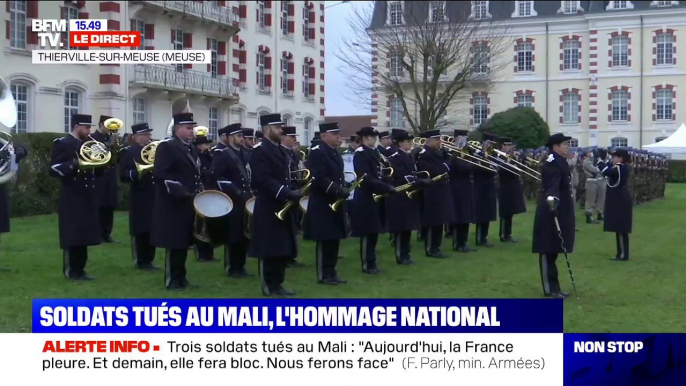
<point x="677" y="171"/>
<point x="34" y="191"/>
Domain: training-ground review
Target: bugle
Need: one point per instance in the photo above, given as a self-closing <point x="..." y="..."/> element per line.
<point x="282" y="213"/>
<point x="305" y="172"/>
<point x="439" y="177"/>
<point x="337" y="204"/>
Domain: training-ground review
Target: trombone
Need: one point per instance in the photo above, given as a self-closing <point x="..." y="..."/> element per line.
<point x="506" y="162"/>
<point x="340" y="201"/>
<point x="282" y="213"/>
<point x="449" y="143"/>
<point x="400" y="188"/>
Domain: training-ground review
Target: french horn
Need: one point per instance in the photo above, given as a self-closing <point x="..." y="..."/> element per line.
<point x="93" y="154"/>
<point x="147" y="158"/>
<point x="8" y="118"/>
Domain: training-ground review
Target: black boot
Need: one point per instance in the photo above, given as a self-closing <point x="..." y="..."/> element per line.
<point x="600" y="217"/>
<point x="589" y="218"/>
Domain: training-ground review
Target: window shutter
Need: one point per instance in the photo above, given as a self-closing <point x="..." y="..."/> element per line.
<point x="268" y="62"/>
<point x="64" y="38"/>
<point x="267" y="4"/>
<point x="187" y="40"/>
<point x="31" y="11"/>
<point x="291" y="84"/>
<point x="291" y="68"/>
<point x="242" y="75"/>
<point x="221" y="68"/>
<point x="311" y="86"/>
<point x="172" y="36"/>
<point x="268" y="80"/>
<point x="242" y="11"/>
<point x="257" y="15"/>
<point x="222" y="48"/>
<point x="312" y="33"/>
<point x="267" y="19"/>
<point x="209" y="65"/>
<point x="291" y="27"/>
<point x="221" y="3"/>
<point x="7" y="6"/>
<point x="311" y="17"/>
<point x="242" y="57"/>
<point x="83" y="15"/>
<point x="312" y="73"/>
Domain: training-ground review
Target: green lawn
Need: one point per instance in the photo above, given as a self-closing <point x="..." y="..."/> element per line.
<point x="646" y="294"/>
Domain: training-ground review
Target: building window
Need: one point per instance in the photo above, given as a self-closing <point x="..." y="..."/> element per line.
<point x="570" y="107"/>
<point x="18" y="24"/>
<point x="214" y="48"/>
<point x="664" y="3"/>
<point x="214" y="122"/>
<point x="70" y="13"/>
<point x="665" y="49"/>
<point x="658" y="139"/>
<point x="571" y="6"/>
<point x="480" y="110"/>
<point x="306" y="80"/>
<point x="72" y="99"/>
<point x="286" y="119"/>
<point x="481" y="58"/>
<point x="177" y="44"/>
<point x="284" y="17"/>
<point x="437" y="11"/>
<point x="260" y="14"/>
<point x="307" y="127"/>
<point x="480" y="9"/>
<point x="664" y="105"/>
<point x="620" y="105"/>
<point x="396" y="112"/>
<point x="620" y="4"/>
<point x="306" y="23"/>
<point x="261" y="75"/>
<point x="139" y="25"/>
<point x="20" y="92"/>
<point x="620" y="51"/>
<point x="284" y="76"/>
<point x="524" y="8"/>
<point x="237" y="116"/>
<point x="525" y="100"/>
<point x="525" y="57"/>
<point x="396" y="64"/>
<point x="573" y="143"/>
<point x="395" y="13"/>
<point x="138" y="110"/>
<point x="619" y="142"/>
<point x="571" y="55"/>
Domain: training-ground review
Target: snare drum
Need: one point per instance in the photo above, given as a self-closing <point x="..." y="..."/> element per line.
<point x="211" y="210"/>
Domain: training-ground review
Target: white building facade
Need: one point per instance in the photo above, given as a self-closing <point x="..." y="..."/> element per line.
<point x="608" y="73"/>
<point x="267" y="57"/>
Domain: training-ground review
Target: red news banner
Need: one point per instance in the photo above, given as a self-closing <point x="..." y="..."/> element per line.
<point x="105" y="39"/>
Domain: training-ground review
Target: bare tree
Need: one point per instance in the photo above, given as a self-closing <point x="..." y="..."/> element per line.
<point x="429" y="61"/>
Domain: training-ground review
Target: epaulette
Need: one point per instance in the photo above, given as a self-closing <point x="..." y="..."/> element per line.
<point x="361" y="148"/>
<point x="217" y="149"/>
<point x="123" y="148"/>
<point x="315" y="148"/>
<point x="58" y="139"/>
<point x="551" y="158"/>
<point x="258" y="145"/>
<point x="167" y="139"/>
<point x="396" y="153"/>
<point x="423" y="151"/>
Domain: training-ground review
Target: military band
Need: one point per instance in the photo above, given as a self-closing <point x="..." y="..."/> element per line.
<point x="485" y="195"/>
<point x="106" y="185"/>
<point x="462" y="187"/>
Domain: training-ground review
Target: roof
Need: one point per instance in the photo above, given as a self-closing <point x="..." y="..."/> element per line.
<point x="500" y="10"/>
<point x="350" y="124"/>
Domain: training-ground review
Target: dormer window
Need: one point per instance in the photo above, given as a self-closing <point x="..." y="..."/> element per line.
<point x="480" y="10"/>
<point x="437" y="11"/>
<point x="663" y="3"/>
<point x="570" y="7"/>
<point x="619" y="5"/>
<point x="395" y="13"/>
<point x="524" y="9"/>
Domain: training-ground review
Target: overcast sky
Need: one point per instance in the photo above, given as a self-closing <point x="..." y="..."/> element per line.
<point x="337" y="17"/>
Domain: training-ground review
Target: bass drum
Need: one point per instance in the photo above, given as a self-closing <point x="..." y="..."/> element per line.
<point x="249" y="209"/>
<point x="212" y="208"/>
<point x="303" y="203"/>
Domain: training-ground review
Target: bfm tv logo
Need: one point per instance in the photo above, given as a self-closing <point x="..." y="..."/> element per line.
<point x="82" y="33"/>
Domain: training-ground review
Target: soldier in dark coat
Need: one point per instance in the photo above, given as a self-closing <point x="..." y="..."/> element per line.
<point x="365" y="215"/>
<point x="462" y="186"/>
<point x="485" y="193"/>
<point x="231" y="171"/>
<point x="323" y="225"/>
<point x="438" y="207"/>
<point x="384" y="146"/>
<point x="403" y="212"/>
<point x="511" y="199"/>
<point x="177" y="172"/>
<point x="272" y="240"/>
<point x="287" y="142"/>
<point x="107" y="185"/>
<point x="141" y="197"/>
<point x="204" y="251"/>
<point x="79" y="223"/>
<point x="354" y="144"/>
<point x="556" y="187"/>
<point x="618" y="204"/>
<point x="5" y="156"/>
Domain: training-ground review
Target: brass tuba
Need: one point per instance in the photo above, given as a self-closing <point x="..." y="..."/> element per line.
<point x="8" y="117"/>
<point x="147" y="157"/>
<point x="113" y="125"/>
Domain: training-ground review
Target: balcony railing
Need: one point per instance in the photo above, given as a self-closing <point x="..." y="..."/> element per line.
<point x="204" y="10"/>
<point x="167" y="77"/>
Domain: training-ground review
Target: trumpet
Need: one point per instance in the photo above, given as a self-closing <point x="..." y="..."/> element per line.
<point x="439" y="177"/>
<point x="148" y="158"/>
<point x="340" y="201"/>
<point x="93" y="154"/>
<point x="282" y="213"/>
<point x="400" y="188"/>
<point x="306" y="173"/>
